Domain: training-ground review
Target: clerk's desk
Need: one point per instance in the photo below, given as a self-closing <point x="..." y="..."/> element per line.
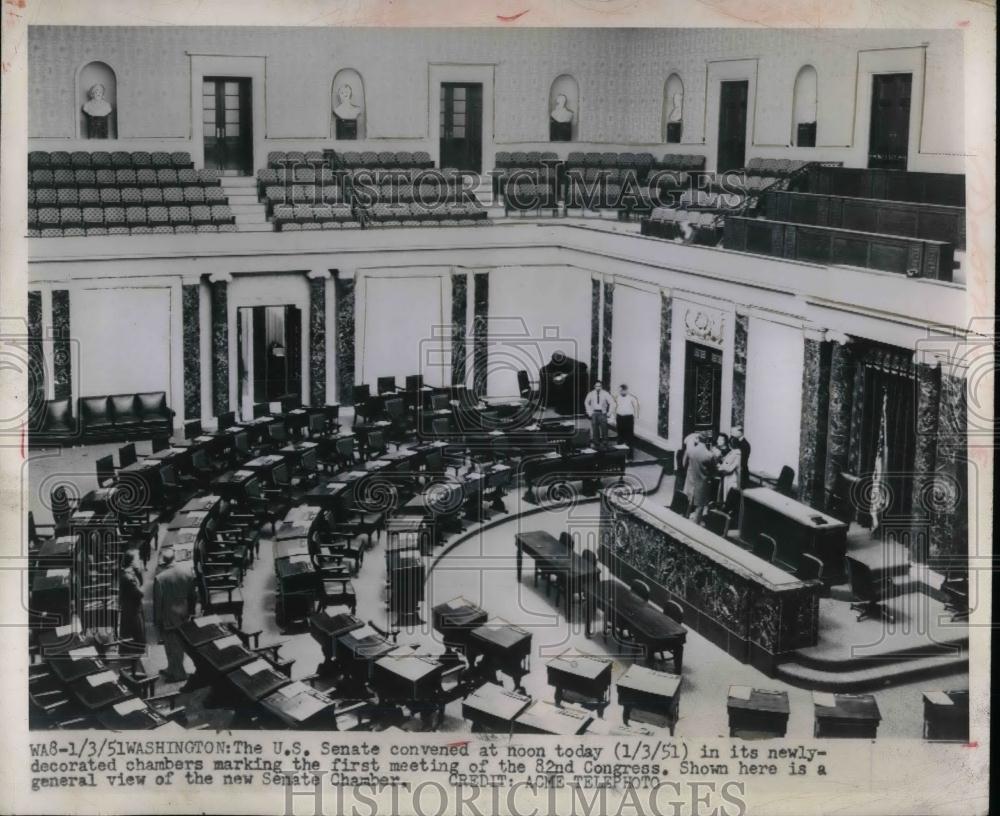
<point x="769" y="612"/>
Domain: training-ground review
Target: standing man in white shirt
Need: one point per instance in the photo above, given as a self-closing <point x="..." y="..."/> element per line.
<point x="598" y="404"/>
<point x="626" y="413"/>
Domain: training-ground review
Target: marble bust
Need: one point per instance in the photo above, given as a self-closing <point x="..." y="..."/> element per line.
<point x="97" y="110"/>
<point x="676" y="107"/>
<point x="561" y="113"/>
<point x="345" y="107"/>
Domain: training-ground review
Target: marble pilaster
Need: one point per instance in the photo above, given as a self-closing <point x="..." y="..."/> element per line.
<point x="220" y="342"/>
<point x="813" y="423"/>
<point x="480" y="331"/>
<point x="740" y="337"/>
<point x="459" y="310"/>
<point x="838" y="432"/>
<point x="191" y="311"/>
<point x="36" y="361"/>
<point x="666" y="331"/>
<point x="595" y="326"/>
<point x="62" y="359"/>
<point x="344" y="329"/>
<point x="609" y="311"/>
<point x="317" y="336"/>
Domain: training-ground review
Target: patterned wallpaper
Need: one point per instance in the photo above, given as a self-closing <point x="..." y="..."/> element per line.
<point x="621" y="74"/>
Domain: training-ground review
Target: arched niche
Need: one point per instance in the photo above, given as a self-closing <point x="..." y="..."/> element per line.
<point x="97" y="101"/>
<point x="348" y="111"/>
<point x="673" y="109"/>
<point x="804" y="106"/>
<point x="564" y="109"/>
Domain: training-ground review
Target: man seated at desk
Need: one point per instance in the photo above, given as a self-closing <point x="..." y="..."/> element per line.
<point x="175" y="600"/>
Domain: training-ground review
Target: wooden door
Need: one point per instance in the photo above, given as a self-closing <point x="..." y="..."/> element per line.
<point x="732" y="125"/>
<point x="227" y="117"/>
<point x="889" y="137"/>
<point x="462" y="126"/>
<point x="702" y="388"/>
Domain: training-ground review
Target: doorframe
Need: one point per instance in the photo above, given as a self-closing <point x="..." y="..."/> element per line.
<point x="716" y="74"/>
<point x="441" y="73"/>
<point x="890" y="61"/>
<point x="252" y="68"/>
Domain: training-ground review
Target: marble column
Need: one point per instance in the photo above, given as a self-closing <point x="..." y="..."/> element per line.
<point x="609" y="310"/>
<point x="666" y="333"/>
<point x="595" y="326"/>
<point x="219" y="282"/>
<point x="344" y="329"/>
<point x="838" y="432"/>
<point x="928" y="381"/>
<point x="740" y="337"/>
<point x="813" y="423"/>
<point x="36" y="361"/>
<point x="62" y="359"/>
<point x="191" y="316"/>
<point x="317" y="336"/>
<point x="480" y="331"/>
<point x="459" y="310"/>
<point x="948" y="500"/>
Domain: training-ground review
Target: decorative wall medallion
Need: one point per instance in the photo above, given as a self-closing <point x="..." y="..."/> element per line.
<point x="708" y="326"/>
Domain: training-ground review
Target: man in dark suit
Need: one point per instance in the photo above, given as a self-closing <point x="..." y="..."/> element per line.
<point x="738" y="440"/>
<point x="175" y="599"/>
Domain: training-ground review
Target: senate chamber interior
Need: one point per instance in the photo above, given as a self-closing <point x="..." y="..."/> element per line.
<point x="525" y="382"/>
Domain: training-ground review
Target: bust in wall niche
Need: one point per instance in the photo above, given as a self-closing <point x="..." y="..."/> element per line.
<point x="561" y="113"/>
<point x="676" y="107"/>
<point x="97" y="110"/>
<point x="345" y="108"/>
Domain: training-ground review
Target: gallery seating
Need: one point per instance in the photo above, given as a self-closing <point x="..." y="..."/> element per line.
<point x="123" y="193"/>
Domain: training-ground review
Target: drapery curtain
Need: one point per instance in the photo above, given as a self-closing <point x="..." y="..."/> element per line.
<point x="892" y="385"/>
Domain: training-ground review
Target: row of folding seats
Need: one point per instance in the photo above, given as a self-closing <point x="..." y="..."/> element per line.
<point x="40" y="218"/>
<point x="711" y="200"/>
<point x="748" y="184"/>
<point x="780" y="168"/>
<point x="287" y="216"/>
<point x="678" y="215"/>
<point x="163" y="229"/>
<point x="349" y="159"/>
<point x="533" y="158"/>
<point x="417" y="212"/>
<point x="106" y="177"/>
<point x="112" y="196"/>
<point x="118" y="160"/>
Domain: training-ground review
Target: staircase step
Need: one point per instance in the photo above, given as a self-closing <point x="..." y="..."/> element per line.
<point x="872" y="677"/>
<point x="238" y="181"/>
<point x="264" y="227"/>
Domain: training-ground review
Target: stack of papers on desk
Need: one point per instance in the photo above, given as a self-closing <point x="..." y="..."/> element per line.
<point x="824" y="699"/>
<point x="740" y="692"/>
<point x="101" y="678"/>
<point x="135" y="704"/>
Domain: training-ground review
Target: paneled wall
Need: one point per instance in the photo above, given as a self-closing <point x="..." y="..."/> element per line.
<point x="621" y="75"/>
<point x="636" y="344"/>
<point x="773" y="395"/>
<point x="535" y="312"/>
<point x="125" y="349"/>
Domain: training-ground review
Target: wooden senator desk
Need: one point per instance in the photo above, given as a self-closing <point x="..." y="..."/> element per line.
<point x="357" y="651"/>
<point x="130" y="715"/>
<point x="192" y="520"/>
<point x="176" y="456"/>
<point x="300" y="706"/>
<point x="854" y="716"/>
<point x="236" y="484"/>
<point x="298" y="588"/>
<point x="414" y="533"/>
<point x="767" y="613"/>
<point x="257" y="679"/>
<point x="544" y="718"/>
<point x="757" y="713"/>
<point x="325" y="628"/>
<point x="652" y="629"/>
<point x="52" y="597"/>
<point x="581" y="679"/>
<point x="796" y="528"/>
<point x="652" y="693"/>
<point x="551" y="555"/>
<point x="326" y="496"/>
<point x="63" y="639"/>
<point x="99" y="500"/>
<point x="184" y="542"/>
<point x="100" y="690"/>
<point x="946" y="716"/>
<point x="76" y="663"/>
<point x="142" y="482"/>
<point x="408" y="678"/>
<point x="302" y="454"/>
<point x="210" y="503"/>
<point x="503" y="647"/>
<point x="299" y="522"/>
<point x="221" y="656"/>
<point x="206" y="628"/>
<point x="492" y="709"/>
<point x="454" y="620"/>
<point x="264" y="467"/>
<point x="365" y="429"/>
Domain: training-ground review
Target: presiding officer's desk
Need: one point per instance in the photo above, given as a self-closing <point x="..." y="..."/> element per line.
<point x="750" y="607"/>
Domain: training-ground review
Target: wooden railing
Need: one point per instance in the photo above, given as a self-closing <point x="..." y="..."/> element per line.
<point x="936" y="222"/>
<point x="892" y="185"/>
<point x="913" y="257"/>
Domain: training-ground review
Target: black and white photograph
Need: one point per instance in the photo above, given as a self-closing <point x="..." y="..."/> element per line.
<point x="488" y="408"/>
